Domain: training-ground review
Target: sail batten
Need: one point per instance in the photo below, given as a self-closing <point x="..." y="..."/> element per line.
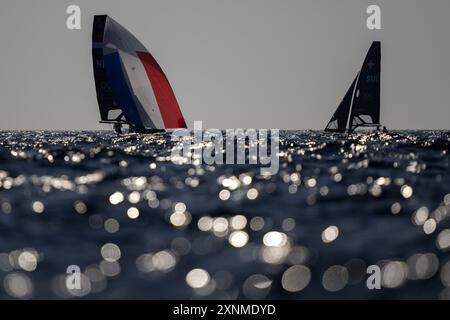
<point x="361" y="103"/>
<point x="135" y="83"/>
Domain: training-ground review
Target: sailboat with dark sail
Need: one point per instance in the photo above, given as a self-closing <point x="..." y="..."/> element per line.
<point x="131" y="87"/>
<point x="360" y="107"/>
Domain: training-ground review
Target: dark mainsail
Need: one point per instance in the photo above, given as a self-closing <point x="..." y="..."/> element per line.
<point x="361" y="104"/>
<point x="366" y="104"/>
<point x="105" y="95"/>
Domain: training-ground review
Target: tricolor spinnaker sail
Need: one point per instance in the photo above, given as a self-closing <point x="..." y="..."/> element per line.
<point x="131" y="86"/>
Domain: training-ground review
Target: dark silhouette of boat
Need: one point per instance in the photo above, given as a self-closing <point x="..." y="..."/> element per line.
<point x="360" y="107"/>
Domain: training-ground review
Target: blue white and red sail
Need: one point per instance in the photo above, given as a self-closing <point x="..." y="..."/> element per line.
<point x="131" y="86"/>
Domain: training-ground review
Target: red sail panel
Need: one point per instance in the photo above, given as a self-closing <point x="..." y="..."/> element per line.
<point x="167" y="102"/>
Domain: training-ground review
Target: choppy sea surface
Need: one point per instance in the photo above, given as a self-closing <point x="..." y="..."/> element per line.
<point x="140" y="226"/>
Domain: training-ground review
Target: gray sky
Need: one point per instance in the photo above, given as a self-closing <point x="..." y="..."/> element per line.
<point x="232" y="63"/>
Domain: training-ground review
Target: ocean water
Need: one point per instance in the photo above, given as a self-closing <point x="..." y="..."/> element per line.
<point x="139" y="226"/>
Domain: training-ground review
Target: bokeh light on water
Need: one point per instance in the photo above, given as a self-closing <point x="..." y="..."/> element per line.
<point x="140" y="226"/>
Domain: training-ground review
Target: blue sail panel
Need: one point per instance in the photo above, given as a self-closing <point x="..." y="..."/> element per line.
<point x="120" y="85"/>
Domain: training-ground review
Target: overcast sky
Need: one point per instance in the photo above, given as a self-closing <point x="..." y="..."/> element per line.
<point x="232" y="63"/>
